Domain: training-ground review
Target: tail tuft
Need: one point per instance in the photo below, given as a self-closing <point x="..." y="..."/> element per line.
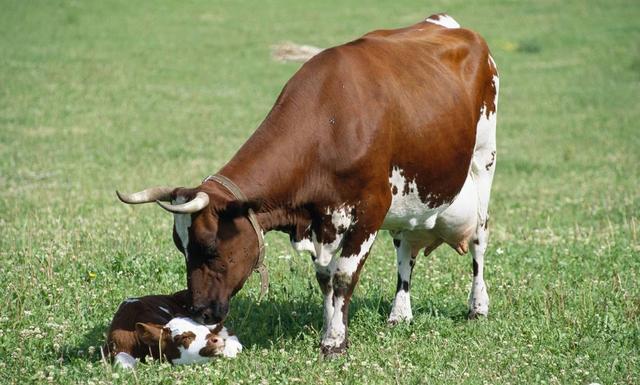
<point x="443" y="19"/>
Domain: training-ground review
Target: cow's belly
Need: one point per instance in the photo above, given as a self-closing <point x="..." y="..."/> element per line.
<point x="410" y="218"/>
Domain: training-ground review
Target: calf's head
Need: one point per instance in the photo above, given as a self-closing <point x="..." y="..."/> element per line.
<point x="183" y="341"/>
<point x="213" y="232"/>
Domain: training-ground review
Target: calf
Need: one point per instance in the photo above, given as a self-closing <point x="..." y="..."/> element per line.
<point x="155" y="325"/>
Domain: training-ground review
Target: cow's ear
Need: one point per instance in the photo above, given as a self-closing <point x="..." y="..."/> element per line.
<point x="152" y="334"/>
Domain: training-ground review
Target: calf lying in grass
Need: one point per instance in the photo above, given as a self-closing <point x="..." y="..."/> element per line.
<point x="157" y="325"/>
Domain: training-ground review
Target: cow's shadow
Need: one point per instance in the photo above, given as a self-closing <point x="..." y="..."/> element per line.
<point x="267" y="323"/>
<point x="88" y="348"/>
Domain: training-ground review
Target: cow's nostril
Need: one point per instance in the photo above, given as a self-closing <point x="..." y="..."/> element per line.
<point x="207" y="315"/>
<point x="197" y="309"/>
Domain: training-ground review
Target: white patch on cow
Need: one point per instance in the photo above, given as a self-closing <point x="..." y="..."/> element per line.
<point x="304" y="244"/>
<point x="335" y="332"/>
<point x="326" y="251"/>
<point x="349" y="265"/>
<point x="164" y="309"/>
<point x="125" y="361"/>
<point x="407" y="210"/>
<point x="483" y="168"/>
<point x="458" y="222"/>
<point x="131" y="300"/>
<point x="341" y="218"/>
<point x="182" y="223"/>
<point x="478" y="298"/>
<point x="401" y="307"/>
<point x="334" y="326"/>
<point x="443" y="20"/>
<point x="492" y="63"/>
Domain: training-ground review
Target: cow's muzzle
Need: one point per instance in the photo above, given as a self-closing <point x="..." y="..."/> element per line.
<point x="212" y="314"/>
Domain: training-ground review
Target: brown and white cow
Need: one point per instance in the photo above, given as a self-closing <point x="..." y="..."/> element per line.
<point x="395" y="131"/>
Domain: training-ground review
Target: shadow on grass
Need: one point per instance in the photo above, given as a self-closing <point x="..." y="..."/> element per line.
<point x="279" y="319"/>
<point x="88" y="348"/>
<point x="275" y="320"/>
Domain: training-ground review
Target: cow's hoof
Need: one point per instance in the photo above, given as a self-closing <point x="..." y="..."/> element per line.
<point x="475" y="314"/>
<point x="393" y="321"/>
<point x="331" y="352"/>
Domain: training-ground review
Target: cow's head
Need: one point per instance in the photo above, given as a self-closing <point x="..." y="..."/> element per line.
<point x="213" y="232"/>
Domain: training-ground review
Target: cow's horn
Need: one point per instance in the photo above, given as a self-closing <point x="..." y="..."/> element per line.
<point x="196" y="204"/>
<point x="145" y="196"/>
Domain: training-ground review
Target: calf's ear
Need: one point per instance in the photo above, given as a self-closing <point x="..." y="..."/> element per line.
<point x="152" y="334"/>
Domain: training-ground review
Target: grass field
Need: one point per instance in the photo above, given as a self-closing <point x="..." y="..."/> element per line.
<point x="101" y="95"/>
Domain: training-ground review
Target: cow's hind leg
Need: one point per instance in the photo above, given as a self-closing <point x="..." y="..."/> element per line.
<point x="406" y="256"/>
<point x="483" y="167"/>
<point x="478" y="296"/>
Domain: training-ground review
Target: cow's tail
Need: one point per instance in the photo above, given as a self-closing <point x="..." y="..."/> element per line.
<point x="443" y="19"/>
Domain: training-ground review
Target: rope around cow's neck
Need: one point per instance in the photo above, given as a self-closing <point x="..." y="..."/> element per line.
<point x="239" y="195"/>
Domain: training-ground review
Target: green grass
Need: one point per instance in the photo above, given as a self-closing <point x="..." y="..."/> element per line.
<point x="118" y="94"/>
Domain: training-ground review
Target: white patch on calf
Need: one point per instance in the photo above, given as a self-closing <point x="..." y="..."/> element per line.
<point x="125" y="361"/>
<point x="191" y="354"/>
<point x="443" y="20"/>
<point x="232" y="347"/>
<point x="182" y="223"/>
<point x="131" y="300"/>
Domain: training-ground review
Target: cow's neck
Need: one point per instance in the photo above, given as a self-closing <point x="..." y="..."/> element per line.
<point x="290" y="221"/>
<point x="269" y="168"/>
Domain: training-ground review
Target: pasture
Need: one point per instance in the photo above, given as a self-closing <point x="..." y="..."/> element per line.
<point x="101" y="95"/>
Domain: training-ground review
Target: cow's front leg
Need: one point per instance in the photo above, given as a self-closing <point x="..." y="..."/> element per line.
<point x="345" y="271"/>
<point x="323" y="275"/>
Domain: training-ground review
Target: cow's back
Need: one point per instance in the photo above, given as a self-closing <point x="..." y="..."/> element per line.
<point x="406" y="99"/>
